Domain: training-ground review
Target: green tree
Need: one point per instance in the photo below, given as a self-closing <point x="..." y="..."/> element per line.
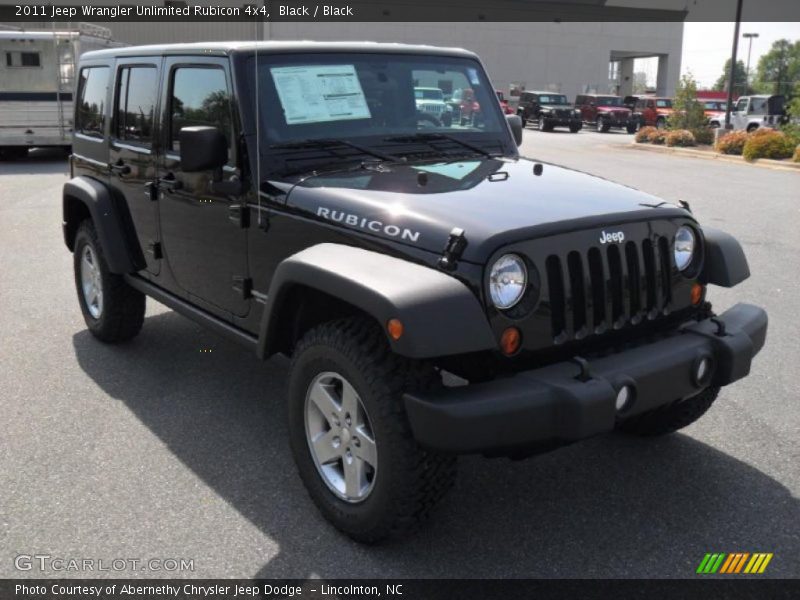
<point x="687" y="112"/>
<point x="779" y="69"/>
<point x="740" y="87"/>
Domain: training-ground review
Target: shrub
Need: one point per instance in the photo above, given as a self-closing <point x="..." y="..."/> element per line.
<point x="792" y="131"/>
<point x="796" y="154"/>
<point x="703" y="135"/>
<point x="687" y="112"/>
<point x="733" y="143"/>
<point x="659" y="137"/>
<point x="680" y="137"/>
<point x="644" y="134"/>
<point x="762" y="131"/>
<point x="767" y="144"/>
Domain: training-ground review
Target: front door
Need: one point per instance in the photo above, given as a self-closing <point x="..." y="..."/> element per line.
<point x="132" y="156"/>
<point x="739" y="116"/>
<point x="206" y="251"/>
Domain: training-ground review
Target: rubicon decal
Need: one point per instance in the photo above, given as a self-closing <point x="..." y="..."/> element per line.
<point x="734" y="563"/>
<point x="368" y="224"/>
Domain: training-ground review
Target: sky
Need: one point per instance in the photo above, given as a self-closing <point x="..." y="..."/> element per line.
<point x="706" y="46"/>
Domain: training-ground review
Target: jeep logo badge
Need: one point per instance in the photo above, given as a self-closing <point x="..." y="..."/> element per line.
<point x="607" y="238"/>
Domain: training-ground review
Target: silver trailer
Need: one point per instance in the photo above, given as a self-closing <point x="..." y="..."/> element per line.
<point x="37" y="81"/>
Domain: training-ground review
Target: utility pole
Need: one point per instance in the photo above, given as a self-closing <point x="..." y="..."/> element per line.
<point x="733" y="64"/>
<point x="749" y="37"/>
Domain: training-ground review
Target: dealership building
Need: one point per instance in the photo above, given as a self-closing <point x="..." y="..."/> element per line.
<point x="567" y="56"/>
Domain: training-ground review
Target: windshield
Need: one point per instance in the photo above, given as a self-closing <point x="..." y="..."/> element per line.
<point x="428" y="94"/>
<point x="370" y="100"/>
<point x="553" y="99"/>
<point x="664" y="103"/>
<point x="715" y="106"/>
<point x="609" y="101"/>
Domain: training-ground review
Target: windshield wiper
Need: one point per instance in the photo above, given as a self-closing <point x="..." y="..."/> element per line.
<point x="327" y="144"/>
<point x="432" y="137"/>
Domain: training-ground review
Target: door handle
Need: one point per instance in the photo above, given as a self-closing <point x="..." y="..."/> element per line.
<point x="169" y="182"/>
<point x="120" y="168"/>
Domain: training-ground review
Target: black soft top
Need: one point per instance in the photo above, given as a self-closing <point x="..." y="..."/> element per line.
<point x="227" y="48"/>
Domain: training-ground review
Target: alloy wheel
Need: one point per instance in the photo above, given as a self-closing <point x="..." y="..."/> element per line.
<point x="91" y="282"/>
<point x="340" y="437"/>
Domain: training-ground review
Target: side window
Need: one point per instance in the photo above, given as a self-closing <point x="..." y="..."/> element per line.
<point x="651" y="104"/>
<point x="741" y="105"/>
<point x="90" y="113"/>
<point x="23" y="59"/>
<point x="199" y="97"/>
<point x="136" y="105"/>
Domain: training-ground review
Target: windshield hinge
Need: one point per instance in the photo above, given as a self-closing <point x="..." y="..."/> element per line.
<point x="452" y="251"/>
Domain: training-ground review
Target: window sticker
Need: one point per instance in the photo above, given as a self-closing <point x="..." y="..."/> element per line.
<point x="320" y="93"/>
<point x="473" y="76"/>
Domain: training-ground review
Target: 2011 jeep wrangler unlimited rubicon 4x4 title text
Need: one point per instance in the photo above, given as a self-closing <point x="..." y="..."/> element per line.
<point x="437" y="294"/>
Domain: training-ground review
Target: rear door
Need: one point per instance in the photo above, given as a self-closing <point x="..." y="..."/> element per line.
<point x="132" y="152"/>
<point x="205" y="249"/>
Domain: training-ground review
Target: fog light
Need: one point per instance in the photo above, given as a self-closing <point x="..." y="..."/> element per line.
<point x="624" y="397"/>
<point x="702" y="369"/>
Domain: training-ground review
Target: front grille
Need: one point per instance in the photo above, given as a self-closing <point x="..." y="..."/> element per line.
<point x="608" y="287"/>
<point x="562" y="113"/>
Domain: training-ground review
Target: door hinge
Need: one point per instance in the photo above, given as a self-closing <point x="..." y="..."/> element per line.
<point x="154" y="248"/>
<point x="244" y="286"/>
<point x="239" y="215"/>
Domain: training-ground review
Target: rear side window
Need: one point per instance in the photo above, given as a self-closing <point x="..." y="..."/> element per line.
<point x="136" y="104"/>
<point x="23" y="59"/>
<point x="90" y="115"/>
<point x="199" y="97"/>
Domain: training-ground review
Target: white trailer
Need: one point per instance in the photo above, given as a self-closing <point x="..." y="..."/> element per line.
<point x="37" y="80"/>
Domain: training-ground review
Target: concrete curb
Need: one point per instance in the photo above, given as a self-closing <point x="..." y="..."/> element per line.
<point x="779" y="165"/>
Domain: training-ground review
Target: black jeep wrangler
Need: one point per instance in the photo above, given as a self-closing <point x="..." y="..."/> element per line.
<point x="437" y="294"/>
<point x="548" y="110"/>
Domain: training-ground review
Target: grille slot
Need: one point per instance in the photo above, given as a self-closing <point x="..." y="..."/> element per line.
<point x="605" y="288"/>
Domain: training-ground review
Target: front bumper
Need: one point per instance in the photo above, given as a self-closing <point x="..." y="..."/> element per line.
<point x="563" y="121"/>
<point x="565" y="402"/>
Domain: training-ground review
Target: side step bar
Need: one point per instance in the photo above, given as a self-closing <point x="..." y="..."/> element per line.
<point x="181" y="306"/>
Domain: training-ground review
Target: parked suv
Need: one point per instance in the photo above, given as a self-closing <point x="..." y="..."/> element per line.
<point x="751" y="112"/>
<point x="653" y="111"/>
<point x="605" y="112"/>
<point x="437" y="293"/>
<point x="549" y="110"/>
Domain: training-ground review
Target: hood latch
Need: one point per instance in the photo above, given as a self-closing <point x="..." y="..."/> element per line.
<point x="453" y="250"/>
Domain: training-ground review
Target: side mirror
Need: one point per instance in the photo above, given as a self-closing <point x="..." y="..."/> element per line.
<point x="515" y="123"/>
<point x="203" y="148"/>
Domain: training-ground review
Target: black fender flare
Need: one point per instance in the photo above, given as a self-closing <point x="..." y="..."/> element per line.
<point x="108" y="216"/>
<point x="724" y="263"/>
<point x="440" y="315"/>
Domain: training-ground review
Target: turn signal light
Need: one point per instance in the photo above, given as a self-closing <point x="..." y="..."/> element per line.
<point x="510" y="341"/>
<point x="697" y="293"/>
<point x="395" y="329"/>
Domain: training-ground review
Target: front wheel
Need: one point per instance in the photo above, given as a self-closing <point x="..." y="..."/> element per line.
<point x="601" y="125"/>
<point x="631" y="128"/>
<point x="672" y="417"/>
<point x="113" y="310"/>
<point x="349" y="434"/>
<point x="574" y="128"/>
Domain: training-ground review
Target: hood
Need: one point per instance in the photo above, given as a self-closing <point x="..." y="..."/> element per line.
<point x="616" y="109"/>
<point x="495" y="202"/>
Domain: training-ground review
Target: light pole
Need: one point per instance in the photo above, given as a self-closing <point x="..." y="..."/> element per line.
<point x="732" y="72"/>
<point x="749" y="37"/>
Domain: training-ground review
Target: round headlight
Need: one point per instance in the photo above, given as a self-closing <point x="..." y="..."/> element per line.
<point x="684" y="247"/>
<point x="507" y="281"/>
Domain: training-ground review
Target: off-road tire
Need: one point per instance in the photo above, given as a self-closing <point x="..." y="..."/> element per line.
<point x="543" y="126"/>
<point x="672" y="417"/>
<point x="122" y="316"/>
<point x="661" y="123"/>
<point x="751" y="128"/>
<point x="574" y="128"/>
<point x="601" y="126"/>
<point x="631" y="128"/>
<point x="409" y="480"/>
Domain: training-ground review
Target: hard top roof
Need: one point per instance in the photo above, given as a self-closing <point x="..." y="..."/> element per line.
<point x="276" y="47"/>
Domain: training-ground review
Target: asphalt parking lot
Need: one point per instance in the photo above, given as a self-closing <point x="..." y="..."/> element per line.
<point x="156" y="449"/>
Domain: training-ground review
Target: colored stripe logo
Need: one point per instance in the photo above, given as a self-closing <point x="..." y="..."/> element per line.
<point x="735" y="562"/>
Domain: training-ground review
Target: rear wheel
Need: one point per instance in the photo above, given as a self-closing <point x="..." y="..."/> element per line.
<point x="349" y="433"/>
<point x="631" y="128"/>
<point x="113" y="310"/>
<point x="661" y="122"/>
<point x="751" y="128"/>
<point x="672" y="417"/>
